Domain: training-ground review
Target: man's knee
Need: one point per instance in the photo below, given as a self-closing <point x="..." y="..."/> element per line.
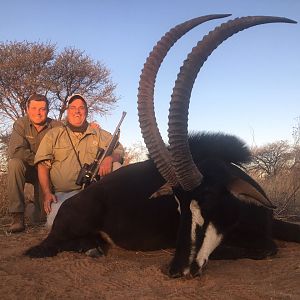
<point x="16" y="165"/>
<point x="19" y="170"/>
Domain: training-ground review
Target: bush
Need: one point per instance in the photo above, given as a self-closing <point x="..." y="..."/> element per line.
<point x="284" y="191"/>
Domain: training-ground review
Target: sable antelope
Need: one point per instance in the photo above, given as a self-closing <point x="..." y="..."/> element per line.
<point x="219" y="202"/>
<point x="210" y="195"/>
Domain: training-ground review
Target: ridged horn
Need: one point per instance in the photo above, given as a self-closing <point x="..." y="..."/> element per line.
<point x="148" y="124"/>
<point x="187" y="173"/>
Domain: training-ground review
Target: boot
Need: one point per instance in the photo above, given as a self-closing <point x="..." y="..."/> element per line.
<point x="18" y="222"/>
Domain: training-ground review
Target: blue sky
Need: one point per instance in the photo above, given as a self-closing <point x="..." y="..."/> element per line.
<point x="250" y="85"/>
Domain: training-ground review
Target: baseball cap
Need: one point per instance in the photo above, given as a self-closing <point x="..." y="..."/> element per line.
<point x="76" y="96"/>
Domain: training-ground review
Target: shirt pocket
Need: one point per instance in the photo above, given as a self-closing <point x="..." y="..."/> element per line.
<point x="91" y="152"/>
<point x="62" y="152"/>
<point x="32" y="143"/>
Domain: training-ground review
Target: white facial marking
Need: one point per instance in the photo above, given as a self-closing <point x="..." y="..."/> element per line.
<point x="186" y="271"/>
<point x="197" y="219"/>
<point x="196" y="213"/>
<point x="178" y="208"/>
<point x="211" y="240"/>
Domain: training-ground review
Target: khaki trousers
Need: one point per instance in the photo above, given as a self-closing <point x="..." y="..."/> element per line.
<point x="19" y="172"/>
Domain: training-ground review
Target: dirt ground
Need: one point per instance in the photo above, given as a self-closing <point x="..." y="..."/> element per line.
<point x="138" y="275"/>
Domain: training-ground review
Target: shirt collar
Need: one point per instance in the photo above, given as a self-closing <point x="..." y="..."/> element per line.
<point x="89" y="130"/>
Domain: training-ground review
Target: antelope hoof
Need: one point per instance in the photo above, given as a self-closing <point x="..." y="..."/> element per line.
<point x="95" y="252"/>
<point x="195" y="270"/>
<point x="176" y="270"/>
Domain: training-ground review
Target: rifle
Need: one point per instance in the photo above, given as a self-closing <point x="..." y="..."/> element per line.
<point x="88" y="173"/>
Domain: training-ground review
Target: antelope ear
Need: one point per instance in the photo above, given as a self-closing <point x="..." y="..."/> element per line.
<point x="246" y="192"/>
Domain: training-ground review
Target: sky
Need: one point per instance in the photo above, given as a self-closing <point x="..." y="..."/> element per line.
<point x="249" y="86"/>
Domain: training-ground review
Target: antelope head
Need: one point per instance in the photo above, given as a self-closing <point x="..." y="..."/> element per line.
<point x="175" y="163"/>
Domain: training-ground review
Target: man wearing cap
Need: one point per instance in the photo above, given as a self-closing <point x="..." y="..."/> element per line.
<point x="63" y="152"/>
<point x="26" y="136"/>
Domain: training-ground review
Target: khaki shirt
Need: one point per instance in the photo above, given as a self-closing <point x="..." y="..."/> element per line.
<point x="25" y="139"/>
<point x="57" y="148"/>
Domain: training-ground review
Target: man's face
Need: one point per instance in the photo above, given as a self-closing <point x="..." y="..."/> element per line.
<point x="37" y="112"/>
<point x="76" y="113"/>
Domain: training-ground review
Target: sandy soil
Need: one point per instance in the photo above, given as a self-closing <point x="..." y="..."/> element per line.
<point x="136" y="275"/>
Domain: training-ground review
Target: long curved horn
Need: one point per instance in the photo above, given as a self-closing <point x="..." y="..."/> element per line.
<point x="187" y="173"/>
<point x="149" y="128"/>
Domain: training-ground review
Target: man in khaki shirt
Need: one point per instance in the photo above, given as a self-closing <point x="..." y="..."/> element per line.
<point x="26" y="136"/>
<point x="63" y="152"/>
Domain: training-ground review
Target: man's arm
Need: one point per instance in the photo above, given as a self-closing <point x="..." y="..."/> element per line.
<point x="106" y="166"/>
<point x="44" y="179"/>
<point x="18" y="145"/>
<point x="117" y="155"/>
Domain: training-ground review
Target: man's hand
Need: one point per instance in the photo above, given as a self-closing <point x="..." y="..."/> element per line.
<point x="48" y="199"/>
<point x="94" y="125"/>
<point x="106" y="166"/>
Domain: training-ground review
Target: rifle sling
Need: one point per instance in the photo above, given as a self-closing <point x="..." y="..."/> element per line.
<point x="77" y="154"/>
